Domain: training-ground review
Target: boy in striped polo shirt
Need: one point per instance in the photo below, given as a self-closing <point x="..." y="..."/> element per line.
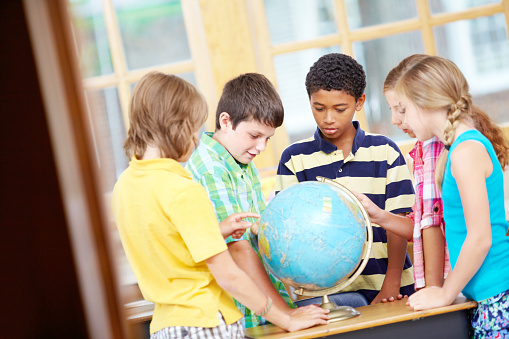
<point x="363" y="162"/>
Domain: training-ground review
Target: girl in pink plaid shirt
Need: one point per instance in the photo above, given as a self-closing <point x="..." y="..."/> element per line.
<point x="425" y="225"/>
<point x="429" y="244"/>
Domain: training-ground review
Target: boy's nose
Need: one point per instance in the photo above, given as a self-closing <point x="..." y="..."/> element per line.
<point x="261" y="145"/>
<point x="329" y="117"/>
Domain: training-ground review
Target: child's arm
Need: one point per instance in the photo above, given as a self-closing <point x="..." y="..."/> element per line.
<point x="433" y="239"/>
<point x="396" y="252"/>
<point x="248" y="261"/>
<point x="399" y="228"/>
<point x="470" y="165"/>
<point x="433" y="244"/>
<point x="236" y="282"/>
<point x="395" y="223"/>
<point x="226" y="201"/>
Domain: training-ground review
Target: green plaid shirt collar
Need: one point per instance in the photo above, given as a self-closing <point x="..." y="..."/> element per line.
<point x="234" y="166"/>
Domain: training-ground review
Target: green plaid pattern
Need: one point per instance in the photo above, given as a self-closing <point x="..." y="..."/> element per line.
<point x="232" y="188"/>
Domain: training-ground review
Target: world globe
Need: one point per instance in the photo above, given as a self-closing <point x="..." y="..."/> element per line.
<point x="315" y="236"/>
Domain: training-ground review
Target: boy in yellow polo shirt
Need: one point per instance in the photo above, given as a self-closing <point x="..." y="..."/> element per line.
<point x="169" y="229"/>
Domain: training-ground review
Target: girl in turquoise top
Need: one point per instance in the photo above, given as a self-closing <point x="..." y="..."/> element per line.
<point x="434" y="95"/>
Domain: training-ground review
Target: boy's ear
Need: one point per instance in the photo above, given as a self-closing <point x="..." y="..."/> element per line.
<point x="224" y="120"/>
<point x="360" y="102"/>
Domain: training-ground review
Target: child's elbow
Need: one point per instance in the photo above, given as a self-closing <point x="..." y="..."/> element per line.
<point x="482" y="244"/>
<point x="228" y="281"/>
<point x="485" y="245"/>
<point x="224" y="283"/>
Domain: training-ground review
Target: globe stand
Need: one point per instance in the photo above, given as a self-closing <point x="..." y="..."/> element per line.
<point x="338" y="312"/>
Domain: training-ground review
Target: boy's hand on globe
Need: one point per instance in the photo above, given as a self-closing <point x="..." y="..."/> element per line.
<point x="234" y="226"/>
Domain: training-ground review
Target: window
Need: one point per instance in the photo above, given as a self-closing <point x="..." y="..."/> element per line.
<point x="379" y="34"/>
<point x="118" y="41"/>
<point x="482" y="53"/>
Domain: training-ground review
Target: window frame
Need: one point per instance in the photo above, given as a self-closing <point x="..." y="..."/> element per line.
<point x="228" y="38"/>
<point x="424" y="22"/>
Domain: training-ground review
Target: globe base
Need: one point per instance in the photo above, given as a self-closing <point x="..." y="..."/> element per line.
<point x="338" y="313"/>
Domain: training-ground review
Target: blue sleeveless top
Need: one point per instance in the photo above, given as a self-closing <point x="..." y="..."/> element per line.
<point x="493" y="275"/>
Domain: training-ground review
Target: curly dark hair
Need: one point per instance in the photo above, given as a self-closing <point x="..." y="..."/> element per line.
<point x="336" y="71"/>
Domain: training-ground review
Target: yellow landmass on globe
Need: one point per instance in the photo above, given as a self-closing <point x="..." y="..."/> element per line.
<point x="263" y="244"/>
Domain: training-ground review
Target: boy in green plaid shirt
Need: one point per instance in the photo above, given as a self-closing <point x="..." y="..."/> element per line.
<point x="248" y="113"/>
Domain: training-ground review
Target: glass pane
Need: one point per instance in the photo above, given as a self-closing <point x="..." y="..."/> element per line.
<point x="440" y="6"/>
<point x="362" y="13"/>
<point x="91" y="37"/>
<point x="153" y="32"/>
<point x="109" y="131"/>
<point x="291" y="71"/>
<point x="285" y="19"/>
<point x="378" y="57"/>
<point x="481" y="50"/>
<point x="188" y="76"/>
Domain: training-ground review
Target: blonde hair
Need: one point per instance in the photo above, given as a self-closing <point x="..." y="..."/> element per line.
<point x="435" y="83"/>
<point x="165" y="111"/>
<point x="395" y="74"/>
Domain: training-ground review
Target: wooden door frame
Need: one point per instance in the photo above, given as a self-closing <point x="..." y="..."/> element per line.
<point x="76" y="163"/>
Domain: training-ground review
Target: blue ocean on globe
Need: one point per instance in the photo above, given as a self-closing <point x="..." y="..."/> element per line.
<point x="311" y="235"/>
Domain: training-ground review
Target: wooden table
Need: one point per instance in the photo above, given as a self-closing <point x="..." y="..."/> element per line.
<point x="389" y="320"/>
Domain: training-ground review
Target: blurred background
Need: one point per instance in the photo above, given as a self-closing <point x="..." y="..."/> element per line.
<point x="119" y="40"/>
<point x="69" y="67"/>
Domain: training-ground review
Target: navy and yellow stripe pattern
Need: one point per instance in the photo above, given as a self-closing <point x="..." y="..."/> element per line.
<point x="374" y="167"/>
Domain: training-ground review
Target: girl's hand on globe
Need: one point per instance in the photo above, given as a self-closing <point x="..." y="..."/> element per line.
<point x="234" y="226"/>
<point x="370" y="207"/>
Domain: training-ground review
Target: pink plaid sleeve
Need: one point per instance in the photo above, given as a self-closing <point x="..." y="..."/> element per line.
<point x="432" y="208"/>
<point x="416" y="154"/>
<point x="428" y="208"/>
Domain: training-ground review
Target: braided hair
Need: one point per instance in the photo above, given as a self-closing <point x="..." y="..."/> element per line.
<point x="436" y="83"/>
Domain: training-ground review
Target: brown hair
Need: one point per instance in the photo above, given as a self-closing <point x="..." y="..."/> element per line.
<point x="484" y="123"/>
<point x="437" y="83"/>
<point x="165" y="111"/>
<point x="250" y="96"/>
